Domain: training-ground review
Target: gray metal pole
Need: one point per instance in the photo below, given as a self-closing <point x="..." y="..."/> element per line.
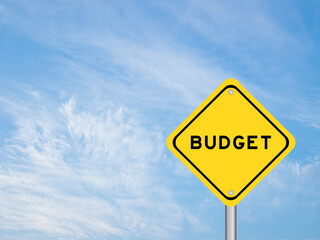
<point x="231" y="223"/>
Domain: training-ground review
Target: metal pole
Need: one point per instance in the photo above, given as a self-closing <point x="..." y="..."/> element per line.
<point x="231" y="223"/>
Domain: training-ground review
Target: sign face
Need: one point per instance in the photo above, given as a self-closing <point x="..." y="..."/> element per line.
<point x="230" y="142"/>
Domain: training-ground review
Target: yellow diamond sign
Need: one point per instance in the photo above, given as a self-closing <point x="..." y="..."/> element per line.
<point x="230" y="142"/>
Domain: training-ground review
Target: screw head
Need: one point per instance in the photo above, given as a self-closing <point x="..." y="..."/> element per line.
<point x="230" y="91"/>
<point x="230" y="192"/>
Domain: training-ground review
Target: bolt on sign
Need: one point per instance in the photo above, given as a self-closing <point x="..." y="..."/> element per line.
<point x="230" y="142"/>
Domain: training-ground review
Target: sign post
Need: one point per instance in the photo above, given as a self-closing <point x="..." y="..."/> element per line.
<point x="231" y="223"/>
<point x="230" y="142"/>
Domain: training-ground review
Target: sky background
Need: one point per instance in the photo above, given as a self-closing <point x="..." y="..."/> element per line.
<point x="90" y="90"/>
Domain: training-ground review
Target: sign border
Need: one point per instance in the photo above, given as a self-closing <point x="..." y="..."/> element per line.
<point x="203" y="175"/>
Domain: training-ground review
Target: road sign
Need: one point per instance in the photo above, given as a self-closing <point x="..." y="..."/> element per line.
<point x="230" y="142"/>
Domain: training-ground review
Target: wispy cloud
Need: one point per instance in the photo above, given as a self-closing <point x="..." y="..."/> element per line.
<point x="291" y="185"/>
<point x="123" y="41"/>
<point x="74" y="174"/>
<point x="308" y="111"/>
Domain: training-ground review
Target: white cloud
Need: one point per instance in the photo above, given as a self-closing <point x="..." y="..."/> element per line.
<point x="291" y="185"/>
<point x="70" y="173"/>
<point x="248" y="29"/>
<point x="308" y="112"/>
<point x="140" y="53"/>
<point x="136" y="49"/>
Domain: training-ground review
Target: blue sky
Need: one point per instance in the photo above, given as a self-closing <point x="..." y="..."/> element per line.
<point x="89" y="91"/>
